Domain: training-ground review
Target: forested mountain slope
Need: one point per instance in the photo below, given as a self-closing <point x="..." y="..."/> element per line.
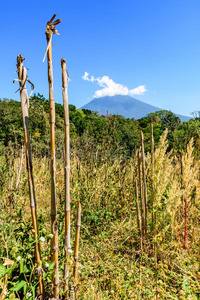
<point x="86" y="126"/>
<point x="125" y="106"/>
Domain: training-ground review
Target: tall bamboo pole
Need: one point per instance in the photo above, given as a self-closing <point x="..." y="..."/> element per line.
<point x="50" y="29"/>
<point x="138" y="213"/>
<point x="152" y="173"/>
<point x="20" y="168"/>
<point x="181" y="165"/>
<point x="22" y="75"/>
<point x="65" y="81"/>
<point x="183" y="206"/>
<point x="144" y="180"/>
<point x="141" y="192"/>
<point x="153" y="216"/>
<point x="77" y="236"/>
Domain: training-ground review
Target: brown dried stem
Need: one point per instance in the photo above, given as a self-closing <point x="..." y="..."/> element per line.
<point x="141" y="192"/>
<point x="65" y="81"/>
<point x="144" y="180"/>
<point x="20" y="168"/>
<point x="50" y="29"/>
<point x="138" y="214"/>
<point x="152" y="173"/>
<point x="153" y="216"/>
<point x="77" y="236"/>
<point x="24" y="104"/>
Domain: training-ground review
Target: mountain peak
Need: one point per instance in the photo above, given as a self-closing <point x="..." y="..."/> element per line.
<point x="126" y="106"/>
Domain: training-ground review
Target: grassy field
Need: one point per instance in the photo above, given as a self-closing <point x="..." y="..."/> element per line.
<point x="112" y="264"/>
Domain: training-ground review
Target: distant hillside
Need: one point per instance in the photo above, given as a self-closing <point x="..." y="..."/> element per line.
<point x="125" y="106"/>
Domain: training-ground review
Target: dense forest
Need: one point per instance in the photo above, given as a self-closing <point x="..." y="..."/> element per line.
<point x="86" y="127"/>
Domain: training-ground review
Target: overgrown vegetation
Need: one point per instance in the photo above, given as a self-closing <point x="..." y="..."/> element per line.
<point x="111" y="263"/>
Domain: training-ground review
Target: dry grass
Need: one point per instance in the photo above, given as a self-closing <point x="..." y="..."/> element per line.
<point x="111" y="264"/>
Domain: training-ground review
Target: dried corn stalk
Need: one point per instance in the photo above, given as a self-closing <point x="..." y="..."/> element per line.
<point x="65" y="81"/>
<point x="22" y="75"/>
<point x="50" y="29"/>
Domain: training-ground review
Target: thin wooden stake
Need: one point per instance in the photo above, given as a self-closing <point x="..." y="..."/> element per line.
<point x="138" y="214"/>
<point x="152" y="174"/>
<point x="153" y="215"/>
<point x="20" y="168"/>
<point x="186" y="220"/>
<point x="141" y="193"/>
<point x="77" y="236"/>
<point x="65" y="81"/>
<point x="24" y="104"/>
<point x="55" y="256"/>
<point x="144" y="180"/>
<point x="50" y="29"/>
<point x="184" y="200"/>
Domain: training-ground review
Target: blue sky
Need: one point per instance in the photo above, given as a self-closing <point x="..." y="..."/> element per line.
<point x="150" y="44"/>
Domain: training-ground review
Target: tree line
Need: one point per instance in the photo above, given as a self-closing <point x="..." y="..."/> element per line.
<point x="90" y="131"/>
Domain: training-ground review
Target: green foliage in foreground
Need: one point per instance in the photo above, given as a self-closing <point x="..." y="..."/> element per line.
<point x="111" y="264"/>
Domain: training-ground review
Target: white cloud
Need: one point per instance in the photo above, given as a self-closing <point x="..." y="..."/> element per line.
<point x="85" y="76"/>
<point x="111" y="88"/>
<point x="138" y="91"/>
